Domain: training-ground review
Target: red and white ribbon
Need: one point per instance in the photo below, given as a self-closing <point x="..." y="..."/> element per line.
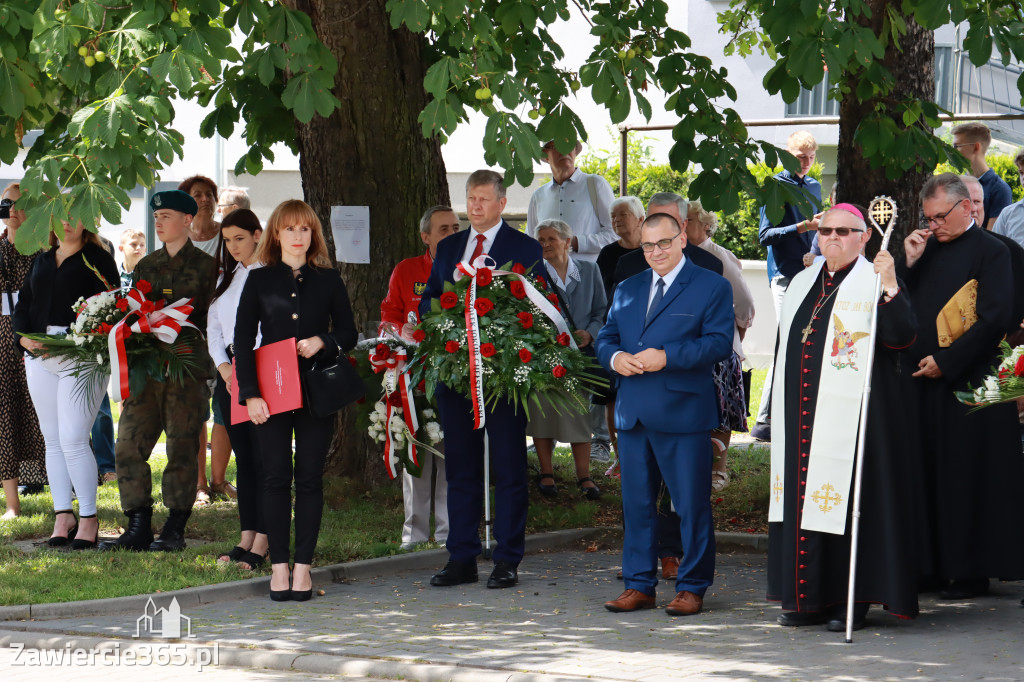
<point x="467" y="269"/>
<point x="163" y="321"/>
<point x="396" y="378"/>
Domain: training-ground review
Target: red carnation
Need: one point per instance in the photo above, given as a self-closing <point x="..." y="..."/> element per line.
<point x="104" y="328"/>
<point x="525" y="355"/>
<point x="518" y="269"/>
<point x="558" y="371"/>
<point x="451" y="346"/>
<point x="449" y="299"/>
<point x="1018" y="369"/>
<point x="122" y="305"/>
<point x="483" y="277"/>
<point x="518" y="290"/>
<point x="419" y="335"/>
<point x="147" y="307"/>
<point x="488" y="350"/>
<point x="483" y="306"/>
<point x="352" y="361"/>
<point x="395" y="399"/>
<point x="526" y="319"/>
<point x="144" y="286"/>
<point x="563" y="339"/>
<point x="382" y="351"/>
<point x="542" y="284"/>
<point x="554" y="299"/>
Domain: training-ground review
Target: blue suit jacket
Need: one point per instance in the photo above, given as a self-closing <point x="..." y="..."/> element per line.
<point x="509" y="245"/>
<point x="693" y="324"/>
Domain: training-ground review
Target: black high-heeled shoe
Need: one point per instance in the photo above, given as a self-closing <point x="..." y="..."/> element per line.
<point x="60" y="540"/>
<point x="78" y="543"/>
<point x="282" y="595"/>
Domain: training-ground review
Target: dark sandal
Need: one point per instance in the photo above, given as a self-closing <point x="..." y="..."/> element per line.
<point x="548" y="490"/>
<point x="59" y="540"/>
<point x="78" y="543"/>
<point x="254" y="560"/>
<point x="590" y="492"/>
<point x="236" y="554"/>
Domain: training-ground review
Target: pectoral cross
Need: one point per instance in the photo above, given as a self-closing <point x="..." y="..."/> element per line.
<point x="807" y="332"/>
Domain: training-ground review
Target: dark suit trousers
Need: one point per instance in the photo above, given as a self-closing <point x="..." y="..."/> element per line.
<point x="464" y="450"/>
<point x="685" y="462"/>
<point x="248" y="466"/>
<point x="274" y="446"/>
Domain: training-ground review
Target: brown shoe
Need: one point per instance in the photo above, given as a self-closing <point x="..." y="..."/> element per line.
<point x="224" y="488"/>
<point x="109" y="476"/>
<point x="685" y="604"/>
<point x="630" y="600"/>
<point x="669" y="567"/>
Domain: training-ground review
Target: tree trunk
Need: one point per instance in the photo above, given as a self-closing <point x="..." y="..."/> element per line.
<point x="370" y="152"/>
<point x="912" y="64"/>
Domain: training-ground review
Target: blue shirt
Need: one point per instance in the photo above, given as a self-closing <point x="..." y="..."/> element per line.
<point x="998" y="194"/>
<point x="787" y="246"/>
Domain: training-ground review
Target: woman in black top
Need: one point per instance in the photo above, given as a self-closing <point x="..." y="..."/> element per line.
<point x="56" y="281"/>
<point x="297" y="294"/>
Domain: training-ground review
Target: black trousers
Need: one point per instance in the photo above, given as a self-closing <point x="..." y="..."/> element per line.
<point x="274" y="445"/>
<point x="248" y="465"/>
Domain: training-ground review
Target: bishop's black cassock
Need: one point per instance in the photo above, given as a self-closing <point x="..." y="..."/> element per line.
<point x="974" y="464"/>
<point x="808" y="571"/>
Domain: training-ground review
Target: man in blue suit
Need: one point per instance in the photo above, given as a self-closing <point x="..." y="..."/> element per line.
<point x="665" y="330"/>
<point x="506" y="427"/>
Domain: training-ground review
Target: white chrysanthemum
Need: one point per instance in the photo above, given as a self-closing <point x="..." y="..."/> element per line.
<point x="380" y="409"/>
<point x="428" y="413"/>
<point x="99" y="359"/>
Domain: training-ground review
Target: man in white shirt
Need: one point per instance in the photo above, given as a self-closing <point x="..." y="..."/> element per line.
<point x="580" y="199"/>
<point x="1011" y="221"/>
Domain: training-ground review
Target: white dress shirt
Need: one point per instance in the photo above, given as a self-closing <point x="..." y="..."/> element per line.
<point x="489" y="236"/>
<point x="220" y="320"/>
<point x="571" y="202"/>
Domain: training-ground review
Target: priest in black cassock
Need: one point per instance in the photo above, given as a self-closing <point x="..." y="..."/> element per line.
<point x="961" y="286"/>
<point x="820" y="375"/>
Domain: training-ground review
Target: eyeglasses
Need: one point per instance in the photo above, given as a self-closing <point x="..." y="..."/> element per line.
<point x="962" y="144"/>
<point x="663" y="244"/>
<point x="841" y="231"/>
<point x="939" y="220"/>
<point x="221" y="207"/>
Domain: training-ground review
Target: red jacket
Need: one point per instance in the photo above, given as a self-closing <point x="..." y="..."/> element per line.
<point x="405" y="289"/>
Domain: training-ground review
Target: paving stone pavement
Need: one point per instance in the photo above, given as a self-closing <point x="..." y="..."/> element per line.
<point x="553" y="626"/>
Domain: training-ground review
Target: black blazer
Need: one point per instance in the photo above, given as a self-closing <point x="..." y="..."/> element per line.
<point x="282" y="306"/>
<point x="49" y="292"/>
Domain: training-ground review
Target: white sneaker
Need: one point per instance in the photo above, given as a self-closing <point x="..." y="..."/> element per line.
<point x="600" y="451"/>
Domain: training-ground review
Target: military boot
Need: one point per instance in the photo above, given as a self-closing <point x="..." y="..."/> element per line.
<point x="172" y="537"/>
<point x="138" y="535"/>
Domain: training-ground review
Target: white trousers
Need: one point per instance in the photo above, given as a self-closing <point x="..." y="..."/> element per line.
<point x="66" y="415"/>
<point x="764" y="416"/>
<point x="417" y="494"/>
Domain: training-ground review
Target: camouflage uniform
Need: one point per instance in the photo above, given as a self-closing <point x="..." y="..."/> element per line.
<point x="176" y="409"/>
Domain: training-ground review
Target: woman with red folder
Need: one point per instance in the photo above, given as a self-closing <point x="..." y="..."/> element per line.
<point x="297" y="294"/>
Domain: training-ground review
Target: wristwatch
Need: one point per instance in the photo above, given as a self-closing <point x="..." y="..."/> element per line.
<point x="891" y="292"/>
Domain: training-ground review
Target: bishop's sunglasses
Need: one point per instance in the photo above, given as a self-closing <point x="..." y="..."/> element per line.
<point x="841" y="231"/>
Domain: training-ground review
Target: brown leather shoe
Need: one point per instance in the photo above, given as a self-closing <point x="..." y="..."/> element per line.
<point x="669" y="567"/>
<point x="630" y="600"/>
<point x="685" y="604"/>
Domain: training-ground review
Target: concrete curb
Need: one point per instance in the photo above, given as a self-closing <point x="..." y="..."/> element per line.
<point x="276" y="659"/>
<point x="325" y="575"/>
<point x="242" y="589"/>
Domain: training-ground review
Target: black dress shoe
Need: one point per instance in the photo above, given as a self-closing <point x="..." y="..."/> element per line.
<point x="965" y="589"/>
<point x="505" y="574"/>
<point x="798" y="619"/>
<point x="455" y="573"/>
<point x="281" y="595"/>
<point x="838" y="621"/>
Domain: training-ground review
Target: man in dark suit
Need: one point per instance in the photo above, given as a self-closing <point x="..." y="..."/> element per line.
<point x="506" y="427"/>
<point x="665" y="330"/>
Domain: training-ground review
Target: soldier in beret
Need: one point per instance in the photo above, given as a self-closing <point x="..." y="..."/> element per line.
<point x="178" y="270"/>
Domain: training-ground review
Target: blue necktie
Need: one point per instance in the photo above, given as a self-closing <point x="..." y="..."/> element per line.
<point x="658" y="293"/>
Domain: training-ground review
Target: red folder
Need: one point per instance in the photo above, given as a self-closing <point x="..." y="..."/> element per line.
<point x="277" y="371"/>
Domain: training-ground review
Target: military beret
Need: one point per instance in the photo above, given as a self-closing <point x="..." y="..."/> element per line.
<point x="175" y="200"/>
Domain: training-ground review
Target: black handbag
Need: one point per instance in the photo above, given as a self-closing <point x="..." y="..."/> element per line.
<point x="599" y="395"/>
<point x="326" y="388"/>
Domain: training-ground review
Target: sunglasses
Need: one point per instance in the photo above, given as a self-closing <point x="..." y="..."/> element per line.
<point x="841" y="231"/>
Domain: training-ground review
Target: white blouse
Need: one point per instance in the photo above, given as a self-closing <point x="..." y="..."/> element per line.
<point x="220" y="321"/>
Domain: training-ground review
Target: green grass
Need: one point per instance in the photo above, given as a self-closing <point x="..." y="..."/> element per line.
<point x="357" y="524"/>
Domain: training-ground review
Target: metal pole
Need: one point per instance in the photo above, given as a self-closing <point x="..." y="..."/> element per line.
<point x="487" y="495"/>
<point x="861" y="437"/>
<point x="623" y="159"/>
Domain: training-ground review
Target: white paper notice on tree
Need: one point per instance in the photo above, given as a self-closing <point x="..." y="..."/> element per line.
<point x="351" y="228"/>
